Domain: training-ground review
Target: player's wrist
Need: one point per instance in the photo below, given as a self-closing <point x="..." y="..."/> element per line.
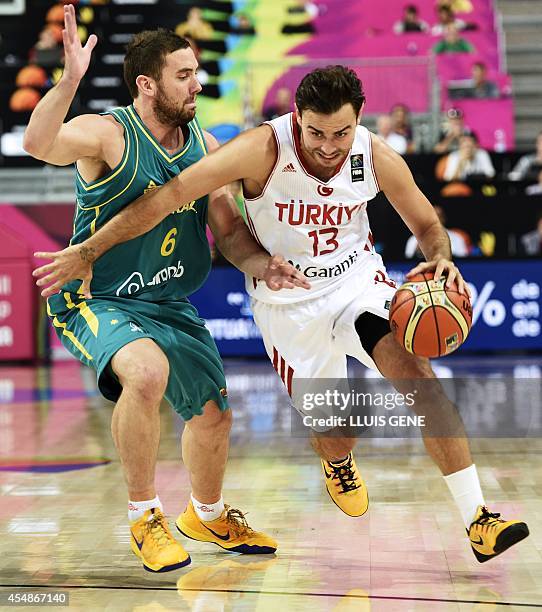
<point x="68" y="84"/>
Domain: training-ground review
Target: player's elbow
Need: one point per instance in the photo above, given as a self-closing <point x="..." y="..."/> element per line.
<point x="32" y="146"/>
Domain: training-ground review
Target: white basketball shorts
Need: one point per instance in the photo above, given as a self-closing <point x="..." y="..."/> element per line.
<point x="311" y="339"/>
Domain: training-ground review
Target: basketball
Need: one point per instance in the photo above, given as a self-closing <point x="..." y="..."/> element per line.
<point x="428" y="319"/>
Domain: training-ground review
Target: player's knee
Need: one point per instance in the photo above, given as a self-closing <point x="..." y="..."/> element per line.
<point x="148" y="381"/>
<point x="222" y="420"/>
<point x="213" y="421"/>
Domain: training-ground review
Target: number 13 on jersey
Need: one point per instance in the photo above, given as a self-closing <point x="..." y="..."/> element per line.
<point x="324" y="241"/>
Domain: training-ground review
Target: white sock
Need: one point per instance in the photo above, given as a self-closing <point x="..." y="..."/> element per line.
<point x="466" y="491"/>
<point x="136" y="509"/>
<point x="208" y="512"/>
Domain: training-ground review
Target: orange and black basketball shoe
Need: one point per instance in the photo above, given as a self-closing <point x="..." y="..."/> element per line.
<point x="153" y="543"/>
<point x="345" y="486"/>
<point x="230" y="531"/>
<point x="490" y="535"/>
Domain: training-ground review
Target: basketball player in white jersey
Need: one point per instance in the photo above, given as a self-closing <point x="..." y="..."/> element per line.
<point x="308" y="178"/>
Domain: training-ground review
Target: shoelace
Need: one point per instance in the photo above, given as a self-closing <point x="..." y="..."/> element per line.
<point x="488" y="518"/>
<point x="158" y="529"/>
<point x="345" y="475"/>
<point x="237" y="520"/>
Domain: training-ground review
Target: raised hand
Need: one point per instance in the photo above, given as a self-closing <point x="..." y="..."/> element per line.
<point x="280" y="274"/>
<point x="73" y="263"/>
<point x="76" y="57"/>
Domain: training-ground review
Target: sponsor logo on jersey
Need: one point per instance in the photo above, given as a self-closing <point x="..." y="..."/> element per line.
<point x="191" y="207"/>
<point x="331" y="271"/>
<point x="150" y="186"/>
<point x="324" y="191"/>
<point x="289" y="168"/>
<point x="357" y="171"/>
<point x="135" y="282"/>
<point x="296" y="212"/>
<point x="135" y="328"/>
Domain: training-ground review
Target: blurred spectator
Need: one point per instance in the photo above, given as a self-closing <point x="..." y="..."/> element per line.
<point x="459" y="240"/>
<point x="536" y="189"/>
<point x="481" y="87"/>
<point x="410" y="22"/>
<point x="384" y="129"/>
<point x="446" y="17"/>
<point x="400" y="117"/>
<point x="281" y="105"/>
<point x="530" y="165"/>
<point x="476" y="87"/>
<point x="242" y="25"/>
<point x="452" y="42"/>
<point x="457" y="6"/>
<point x="469" y="162"/>
<point x="531" y="242"/>
<point x="195" y="26"/>
<point x="453" y="129"/>
<point x="48" y="51"/>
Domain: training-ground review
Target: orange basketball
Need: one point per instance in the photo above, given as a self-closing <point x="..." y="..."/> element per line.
<point x="428" y="319"/>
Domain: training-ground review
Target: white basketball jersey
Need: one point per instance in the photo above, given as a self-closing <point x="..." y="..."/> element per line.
<point x="320" y="227"/>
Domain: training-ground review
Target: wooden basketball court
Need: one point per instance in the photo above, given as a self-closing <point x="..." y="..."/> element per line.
<point x="63" y="522"/>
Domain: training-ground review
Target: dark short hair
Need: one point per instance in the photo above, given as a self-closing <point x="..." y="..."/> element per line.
<point x="411" y="8"/>
<point x="146" y="54"/>
<point x="326" y="90"/>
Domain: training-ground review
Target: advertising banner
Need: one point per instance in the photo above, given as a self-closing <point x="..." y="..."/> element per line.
<point x="506" y="307"/>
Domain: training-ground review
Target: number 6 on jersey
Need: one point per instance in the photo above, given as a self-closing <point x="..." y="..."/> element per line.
<point x="168" y="245"/>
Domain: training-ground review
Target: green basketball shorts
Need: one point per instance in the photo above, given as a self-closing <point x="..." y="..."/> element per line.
<point x="94" y="330"/>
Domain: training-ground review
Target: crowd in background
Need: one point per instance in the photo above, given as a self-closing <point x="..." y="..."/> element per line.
<point x="462" y="161"/>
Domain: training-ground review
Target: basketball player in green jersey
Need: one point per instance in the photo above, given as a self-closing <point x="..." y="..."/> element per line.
<point x="139" y="331"/>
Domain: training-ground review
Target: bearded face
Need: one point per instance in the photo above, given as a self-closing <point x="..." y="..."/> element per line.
<point x="173" y="111"/>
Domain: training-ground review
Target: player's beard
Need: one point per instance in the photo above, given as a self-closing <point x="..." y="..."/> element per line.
<point x="169" y="113"/>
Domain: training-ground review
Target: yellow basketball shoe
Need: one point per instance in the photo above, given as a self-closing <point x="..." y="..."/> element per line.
<point x="153" y="543"/>
<point x="490" y="535"/>
<point x="230" y="531"/>
<point x="346" y="487"/>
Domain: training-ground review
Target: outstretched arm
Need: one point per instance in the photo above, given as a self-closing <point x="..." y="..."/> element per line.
<point x="250" y="155"/>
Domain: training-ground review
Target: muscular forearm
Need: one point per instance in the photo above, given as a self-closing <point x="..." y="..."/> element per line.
<point x="435" y="243"/>
<point x="133" y="220"/>
<point x="48" y="117"/>
<point x="241" y="250"/>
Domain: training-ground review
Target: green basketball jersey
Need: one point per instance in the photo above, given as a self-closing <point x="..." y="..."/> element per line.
<point x="172" y="260"/>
